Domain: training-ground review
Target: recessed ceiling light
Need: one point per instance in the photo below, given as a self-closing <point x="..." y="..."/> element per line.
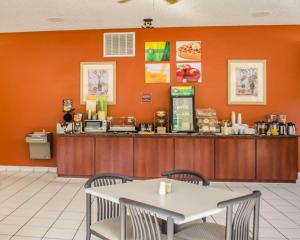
<point x="261" y="13"/>
<point x="55" y="19"/>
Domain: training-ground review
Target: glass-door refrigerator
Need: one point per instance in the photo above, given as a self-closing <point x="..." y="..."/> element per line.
<point x="182" y="115"/>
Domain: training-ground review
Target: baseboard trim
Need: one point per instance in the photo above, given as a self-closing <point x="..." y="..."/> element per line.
<point x="28" y="169"/>
<point x="298" y="180"/>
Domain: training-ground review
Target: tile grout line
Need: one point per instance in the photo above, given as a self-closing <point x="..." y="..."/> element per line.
<point x="2" y="177"/>
<point x="62" y="211"/>
<point x="288" y="190"/>
<point x="298" y="195"/>
<point x="17" y="174"/>
<point x="28" y="198"/>
<point x="17" y="180"/>
<point x="77" y="230"/>
<point x="267" y="219"/>
<point x="269" y="222"/>
<point x="279" y="209"/>
<point x="228" y="187"/>
<point x="41" y="206"/>
<point x="284" y="188"/>
<point x="38" y="178"/>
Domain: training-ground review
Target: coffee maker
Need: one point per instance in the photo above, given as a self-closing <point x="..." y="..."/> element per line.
<point x="161" y="122"/>
<point x="77" y="123"/>
<point x="66" y="126"/>
<point x="274" y="128"/>
<point x="282" y="129"/>
<point x="261" y="128"/>
<point x="291" y="128"/>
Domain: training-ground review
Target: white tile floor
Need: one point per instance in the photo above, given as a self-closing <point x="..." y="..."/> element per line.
<point x="35" y="206"/>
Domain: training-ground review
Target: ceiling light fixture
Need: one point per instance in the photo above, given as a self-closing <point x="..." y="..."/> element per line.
<point x="55" y="19"/>
<point x="261" y="14"/>
<point x="148" y="23"/>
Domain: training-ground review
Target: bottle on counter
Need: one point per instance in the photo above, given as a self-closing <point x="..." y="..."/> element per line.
<point x="89" y="115"/>
<point x="291" y="128"/>
<point x="239" y="119"/>
<point x="233" y="119"/>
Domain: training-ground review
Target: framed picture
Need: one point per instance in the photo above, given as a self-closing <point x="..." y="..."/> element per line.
<point x="98" y="79"/>
<point x="157" y="51"/>
<point x="188" y="51"/>
<point x="188" y="73"/>
<point x="157" y="73"/>
<point x="247" y="82"/>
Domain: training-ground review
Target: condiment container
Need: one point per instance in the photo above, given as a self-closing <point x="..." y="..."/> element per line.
<point x="169" y="186"/>
<point x="162" y="188"/>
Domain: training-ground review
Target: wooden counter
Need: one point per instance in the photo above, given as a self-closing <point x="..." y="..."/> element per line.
<point x="235" y="159"/>
<point x="226" y="158"/>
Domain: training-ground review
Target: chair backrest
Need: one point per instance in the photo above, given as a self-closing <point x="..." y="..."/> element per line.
<point x="186" y="176"/>
<point x="145" y="224"/>
<point x="106" y="209"/>
<point x="144" y="219"/>
<point x="238" y="227"/>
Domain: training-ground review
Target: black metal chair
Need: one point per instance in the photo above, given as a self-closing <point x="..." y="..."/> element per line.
<point x="108" y="213"/>
<point x="237" y="226"/>
<point x="189" y="177"/>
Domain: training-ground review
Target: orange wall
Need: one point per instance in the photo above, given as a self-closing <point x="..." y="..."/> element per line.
<point x="38" y="70"/>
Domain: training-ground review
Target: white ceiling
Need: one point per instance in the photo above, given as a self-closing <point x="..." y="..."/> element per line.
<point x="32" y="15"/>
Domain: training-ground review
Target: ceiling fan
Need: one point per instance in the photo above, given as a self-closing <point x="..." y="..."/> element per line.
<point x="169" y="1"/>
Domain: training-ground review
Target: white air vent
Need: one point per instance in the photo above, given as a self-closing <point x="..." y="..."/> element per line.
<point x="120" y="44"/>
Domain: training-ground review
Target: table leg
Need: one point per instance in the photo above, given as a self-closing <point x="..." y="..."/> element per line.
<point x="170" y="228"/>
<point x="229" y="222"/>
<point x="256" y="220"/>
<point x="123" y="221"/>
<point x="88" y="216"/>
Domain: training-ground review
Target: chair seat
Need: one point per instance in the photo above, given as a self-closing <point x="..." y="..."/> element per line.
<point x="181" y="227"/>
<point x="111" y="228"/>
<point x="203" y="231"/>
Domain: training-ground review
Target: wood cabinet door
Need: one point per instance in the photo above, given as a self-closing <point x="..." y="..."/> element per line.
<point x="277" y="159"/>
<point x="114" y="155"/>
<point x="195" y="154"/>
<point x="152" y="156"/>
<point x="235" y="158"/>
<point x="74" y="156"/>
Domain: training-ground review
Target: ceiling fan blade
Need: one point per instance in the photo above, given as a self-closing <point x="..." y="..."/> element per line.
<point x="123" y="1"/>
<point x="172" y="1"/>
